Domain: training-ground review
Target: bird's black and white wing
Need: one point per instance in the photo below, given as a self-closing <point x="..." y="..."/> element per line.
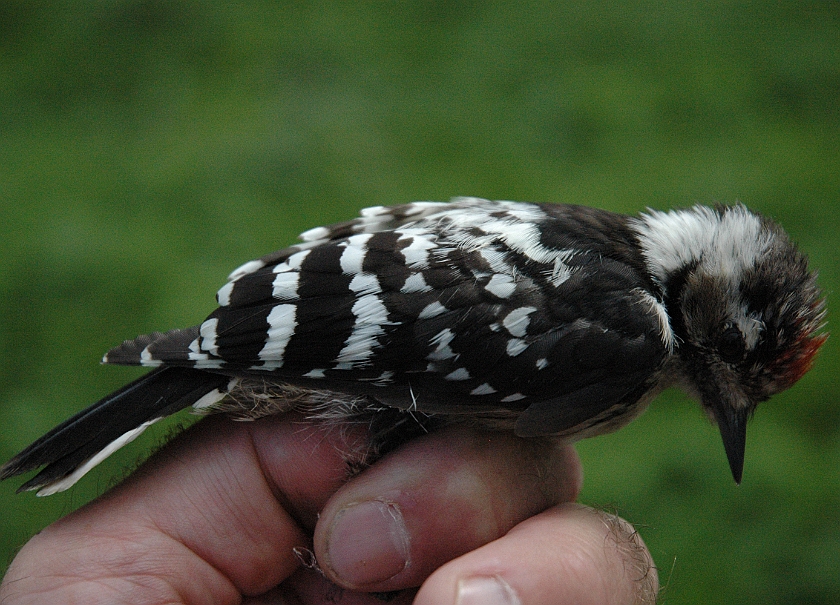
<point x="473" y="306"/>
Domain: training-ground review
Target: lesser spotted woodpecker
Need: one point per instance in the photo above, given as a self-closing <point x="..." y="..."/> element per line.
<point x="547" y="320"/>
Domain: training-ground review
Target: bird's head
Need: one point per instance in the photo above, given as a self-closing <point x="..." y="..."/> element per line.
<point x="746" y="313"/>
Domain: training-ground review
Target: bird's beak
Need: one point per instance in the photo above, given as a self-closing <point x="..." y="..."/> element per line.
<point x="732" y="422"/>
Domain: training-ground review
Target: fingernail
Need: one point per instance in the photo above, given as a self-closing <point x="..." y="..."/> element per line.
<point x="486" y="591"/>
<point x="368" y="543"/>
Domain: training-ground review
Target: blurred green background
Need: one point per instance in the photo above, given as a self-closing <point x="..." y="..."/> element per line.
<point x="149" y="147"/>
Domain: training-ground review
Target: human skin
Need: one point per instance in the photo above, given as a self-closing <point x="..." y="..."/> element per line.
<point x="277" y="511"/>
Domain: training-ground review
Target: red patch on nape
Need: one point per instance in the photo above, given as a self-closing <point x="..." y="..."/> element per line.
<point x="799" y="358"/>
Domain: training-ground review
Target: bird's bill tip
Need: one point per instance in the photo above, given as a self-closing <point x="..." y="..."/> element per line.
<point x="732" y="423"/>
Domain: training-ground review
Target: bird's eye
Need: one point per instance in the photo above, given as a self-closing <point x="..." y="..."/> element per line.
<point x="731" y="345"/>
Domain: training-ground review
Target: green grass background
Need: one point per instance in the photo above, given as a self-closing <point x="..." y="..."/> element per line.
<point x="149" y="147"/>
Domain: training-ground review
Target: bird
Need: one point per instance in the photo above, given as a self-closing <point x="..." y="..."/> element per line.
<point x="548" y="320"/>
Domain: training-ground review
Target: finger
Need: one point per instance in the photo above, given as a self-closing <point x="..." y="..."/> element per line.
<point x="567" y="555"/>
<point x="214" y="515"/>
<point x="434" y="499"/>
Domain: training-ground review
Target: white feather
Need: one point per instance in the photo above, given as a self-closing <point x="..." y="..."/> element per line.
<point x="516" y="322"/>
<point x="85" y="467"/>
<point x="282" y="324"/>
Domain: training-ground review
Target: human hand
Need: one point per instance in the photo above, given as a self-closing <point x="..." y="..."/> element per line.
<point x="230" y="512"/>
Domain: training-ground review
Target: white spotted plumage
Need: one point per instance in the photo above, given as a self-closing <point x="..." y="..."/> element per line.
<point x="516" y="322"/>
<point x="452" y="275"/>
<point x="281" y="327"/>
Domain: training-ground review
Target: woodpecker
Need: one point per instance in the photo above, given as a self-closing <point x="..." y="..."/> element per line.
<point x="548" y="320"/>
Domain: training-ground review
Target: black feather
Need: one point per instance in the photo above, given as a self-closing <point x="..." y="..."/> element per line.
<point x="169" y="346"/>
<point x="159" y="393"/>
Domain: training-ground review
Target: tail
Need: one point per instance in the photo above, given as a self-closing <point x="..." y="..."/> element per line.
<point x="77" y="445"/>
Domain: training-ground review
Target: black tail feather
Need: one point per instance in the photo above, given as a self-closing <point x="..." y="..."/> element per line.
<point x="172" y="348"/>
<point x="70" y="445"/>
